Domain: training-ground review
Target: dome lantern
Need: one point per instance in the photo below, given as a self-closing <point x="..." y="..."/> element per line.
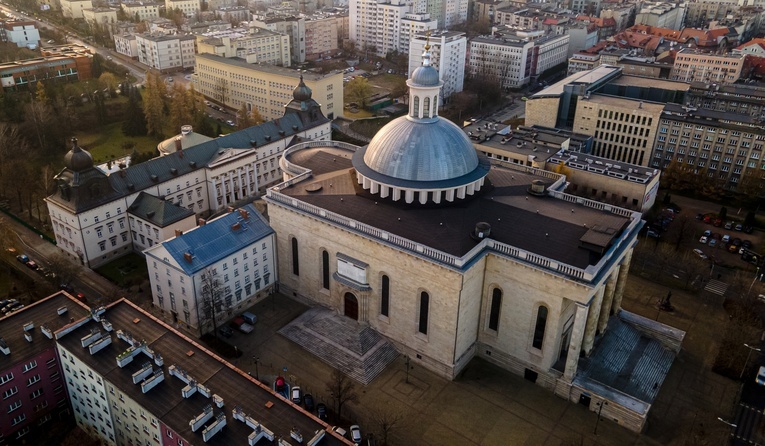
<point x="78" y="159"/>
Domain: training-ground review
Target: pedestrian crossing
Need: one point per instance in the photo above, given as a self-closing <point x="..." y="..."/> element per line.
<point x="747" y="426"/>
<point x="716" y="287"/>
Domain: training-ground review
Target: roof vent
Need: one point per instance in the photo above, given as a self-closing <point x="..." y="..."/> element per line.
<point x="155" y="178"/>
<point x="29" y="326"/>
<point x="294" y="127"/>
<point x="174" y="171"/>
<point x="150" y="214"/>
<point x="482" y="230"/>
<point x="193" y="164"/>
<point x="538" y="188"/>
<point x="131" y="186"/>
<point x="281" y="133"/>
<point x="268" y="137"/>
<point x="253" y="143"/>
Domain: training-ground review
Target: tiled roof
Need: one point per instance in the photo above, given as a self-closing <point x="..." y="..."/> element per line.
<point x="217" y="239"/>
<point x="159" y="212"/>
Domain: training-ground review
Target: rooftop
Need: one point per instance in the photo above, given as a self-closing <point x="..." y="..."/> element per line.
<point x="159" y="212"/>
<point x="604" y="166"/>
<point x="557" y="228"/>
<point x="53" y="313"/>
<point x="266" y="68"/>
<point x="617" y="101"/>
<point x="185" y="357"/>
<point x="217" y="239"/>
<point x="711" y="117"/>
<point x="650" y="82"/>
<point x="588" y="77"/>
<point x="538" y="142"/>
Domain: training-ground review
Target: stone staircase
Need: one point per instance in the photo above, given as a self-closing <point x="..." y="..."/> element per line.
<point x="353" y="348"/>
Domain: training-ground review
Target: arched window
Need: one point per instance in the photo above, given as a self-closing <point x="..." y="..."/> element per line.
<point x="385" y="296"/>
<point x="426" y="108"/>
<point x="435" y="105"/>
<point x="496" y="303"/>
<point x="325" y="269"/>
<point x="424" y="307"/>
<point x="539" y="328"/>
<point x="416" y="107"/>
<point x="295" y="260"/>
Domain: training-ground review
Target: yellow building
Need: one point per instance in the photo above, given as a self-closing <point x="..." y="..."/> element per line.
<point x="233" y="82"/>
<point x="73" y="8"/>
<point x="256" y="45"/>
<point x="189" y="7"/>
<point x="142" y="10"/>
<point x="101" y="16"/>
<point x="320" y="35"/>
<point x="694" y="66"/>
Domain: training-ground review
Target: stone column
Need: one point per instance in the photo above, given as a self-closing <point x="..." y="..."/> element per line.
<point x="593" y="314"/>
<point x="574" y="345"/>
<point x="214" y="204"/>
<point x="621" y="282"/>
<point x="608" y="298"/>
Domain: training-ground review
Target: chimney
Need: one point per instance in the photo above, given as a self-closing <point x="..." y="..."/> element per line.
<point x="245" y="215"/>
<point x="187" y="256"/>
<point x="235" y="226"/>
<point x="201" y="222"/>
<point x="230" y="209"/>
<point x="178" y="144"/>
<point x="178" y="233"/>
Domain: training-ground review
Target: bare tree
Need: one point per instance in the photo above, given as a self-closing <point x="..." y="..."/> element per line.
<point x="342" y="389"/>
<point x="211" y="300"/>
<point x="64" y="267"/>
<point x="386" y="420"/>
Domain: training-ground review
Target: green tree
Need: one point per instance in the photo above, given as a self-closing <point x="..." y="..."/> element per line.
<point x="359" y="90"/>
<point x="153" y="105"/>
<point x="134" y="123"/>
<point x="97" y="70"/>
<point x="180" y="112"/>
<point x="109" y="80"/>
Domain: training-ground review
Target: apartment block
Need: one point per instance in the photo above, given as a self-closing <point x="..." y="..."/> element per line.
<point x="321" y="35"/>
<point x="126" y="44"/>
<point x="101" y="16"/>
<point x="135" y="380"/>
<point x="661" y="15"/>
<point x="73" y="8"/>
<point x="255" y="45"/>
<point x="141" y="10"/>
<point x="515" y="57"/>
<point x="234" y="14"/>
<point x="189" y="8"/>
<point x="386" y="26"/>
<point x="582" y="62"/>
<point x="166" y="53"/>
<point x="235" y="253"/>
<point x="694" y="66"/>
<point x="448" y="50"/>
<point x="728" y="98"/>
<point x="291" y="26"/>
<point x="233" y="82"/>
<point x="23" y="34"/>
<point x="723" y="146"/>
<point x="31" y="375"/>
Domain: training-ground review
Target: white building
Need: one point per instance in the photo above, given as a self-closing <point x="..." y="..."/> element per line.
<point x="73" y="8"/>
<point x="189" y="8"/>
<point x="166" y="53"/>
<point x="448" y="50"/>
<point x="411" y="25"/>
<point x="141" y="10"/>
<point x="90" y="210"/>
<point x="126" y="44"/>
<point x="294" y="27"/>
<point x="385" y="26"/>
<point x="101" y="16"/>
<point x="23" y="34"/>
<point x="255" y="45"/>
<point x="661" y="15"/>
<point x="232" y="257"/>
<point x="514" y="58"/>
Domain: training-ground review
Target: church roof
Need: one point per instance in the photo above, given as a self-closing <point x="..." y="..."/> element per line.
<point x="217" y="239"/>
<point x="159" y="212"/>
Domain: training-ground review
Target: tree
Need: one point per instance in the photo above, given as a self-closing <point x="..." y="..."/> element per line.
<point x="386" y="419"/>
<point x="359" y="90"/>
<point x="153" y="105"/>
<point x="342" y="390"/>
<point x="243" y="119"/>
<point x="135" y="120"/>
<point x="109" y="80"/>
<point x="723" y="213"/>
<point x="681" y="229"/>
<point x="255" y="117"/>
<point x="41" y="95"/>
<point x="65" y="268"/>
<point x="181" y="107"/>
<point x="211" y="300"/>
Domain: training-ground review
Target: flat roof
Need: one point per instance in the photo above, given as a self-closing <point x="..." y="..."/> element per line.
<point x="41" y="313"/>
<point x="545" y="226"/>
<point x="583" y="77"/>
<point x="540" y="142"/>
<point x="650" y="82"/>
<point x="166" y="402"/>
<point x="626" y="102"/>
<point x="267" y="68"/>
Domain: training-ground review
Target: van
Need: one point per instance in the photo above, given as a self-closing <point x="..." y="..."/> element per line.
<point x="249" y="318"/>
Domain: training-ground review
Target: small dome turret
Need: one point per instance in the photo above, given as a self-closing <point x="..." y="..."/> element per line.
<point x="78" y="159"/>
<point x="301" y="93"/>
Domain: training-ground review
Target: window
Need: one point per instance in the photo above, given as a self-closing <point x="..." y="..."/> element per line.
<point x="13" y="406"/>
<point x="295" y="259"/>
<point x="385" y="295"/>
<point x="10" y="392"/>
<point x="6" y="378"/>
<point x="325" y="270"/>
<point x="416" y="108"/>
<point x="496" y="303"/>
<point x="424" y="306"/>
<point x="539" y="329"/>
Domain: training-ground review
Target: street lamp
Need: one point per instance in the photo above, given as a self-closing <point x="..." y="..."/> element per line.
<point x="746" y="363"/>
<point x="729" y="424"/>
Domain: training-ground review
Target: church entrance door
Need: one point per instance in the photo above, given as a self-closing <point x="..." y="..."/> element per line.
<point x="351" y="306"/>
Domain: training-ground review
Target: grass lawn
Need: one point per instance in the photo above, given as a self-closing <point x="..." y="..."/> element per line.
<point x="125" y="271"/>
<point x="369" y="127"/>
<point x="106" y="142"/>
<point x="359" y="114"/>
<point x="387" y="81"/>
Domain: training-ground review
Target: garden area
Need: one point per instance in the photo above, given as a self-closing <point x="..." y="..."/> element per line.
<point x="126" y="271"/>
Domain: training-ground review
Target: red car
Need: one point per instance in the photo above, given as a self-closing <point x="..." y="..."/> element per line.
<point x="707" y="219"/>
<point x="718" y="222"/>
<point x="32" y="265"/>
<point x="279" y="383"/>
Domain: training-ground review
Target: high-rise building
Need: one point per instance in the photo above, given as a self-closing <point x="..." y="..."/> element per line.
<point x="386" y="26"/>
<point x="448" y="50"/>
<point x="166" y="53"/>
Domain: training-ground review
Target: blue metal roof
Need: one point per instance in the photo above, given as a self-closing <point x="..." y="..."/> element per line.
<point x="218" y="239"/>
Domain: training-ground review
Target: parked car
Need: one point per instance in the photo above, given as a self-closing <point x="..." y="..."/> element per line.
<point x="746" y="244"/>
<point x="739" y="227"/>
<point x="728" y="225"/>
<point x="308" y="401"/>
<point x="297" y="395"/>
<point x="726" y="238"/>
<point x="718" y="222"/>
<point x="321" y="411"/>
<point x="748" y="229"/>
<point x="760" y="379"/>
<point x="241" y="325"/>
<point x="249" y="318"/>
<point x="340" y="431"/>
<point x="356" y="434"/>
<point x="699" y="216"/>
<point x="707" y="219"/>
<point x="230" y="122"/>
<point x="66" y="287"/>
<point x="712" y="243"/>
<point x="707" y="233"/>
<point x="8" y="304"/>
<point x="170" y="79"/>
<point x="700" y="254"/>
<point x="226" y="331"/>
<point x="703" y="239"/>
<point x="652" y="233"/>
<point x="23" y="258"/>
<point x="32" y="265"/>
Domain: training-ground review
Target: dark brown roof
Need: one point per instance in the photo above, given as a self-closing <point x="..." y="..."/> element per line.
<point x="543" y="225"/>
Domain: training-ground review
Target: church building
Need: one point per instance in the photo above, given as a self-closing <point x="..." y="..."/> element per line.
<point x="450" y="258"/>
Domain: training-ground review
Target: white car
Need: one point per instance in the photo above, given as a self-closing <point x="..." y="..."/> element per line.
<point x="700" y="254"/>
<point x="760" y="376"/>
<point x="726" y="238"/>
<point x="356" y="434"/>
<point x="703" y="239"/>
